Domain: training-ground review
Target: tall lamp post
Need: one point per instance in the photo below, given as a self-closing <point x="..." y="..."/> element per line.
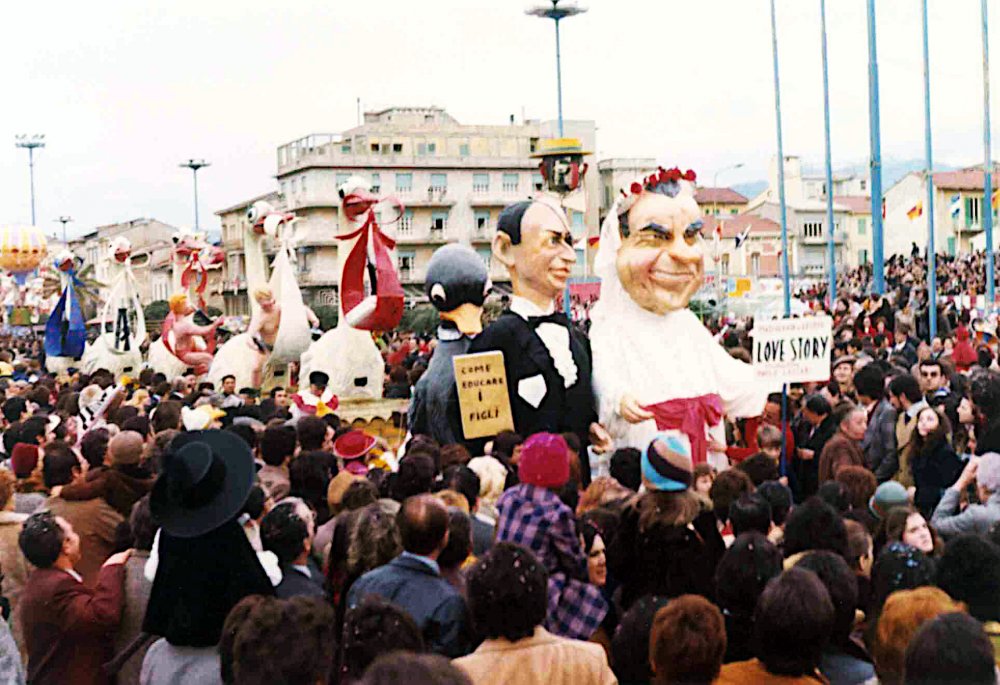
<point x="557" y="13"/>
<point x="64" y="220"/>
<point x="194" y="165"/>
<point x="30" y="143"/>
<point x="715" y="216"/>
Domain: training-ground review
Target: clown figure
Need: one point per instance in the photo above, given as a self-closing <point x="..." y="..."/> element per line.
<point x="656" y="367"/>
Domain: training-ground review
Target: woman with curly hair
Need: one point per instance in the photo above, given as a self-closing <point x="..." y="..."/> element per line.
<point x="907" y="525"/>
<point x="933" y="462"/>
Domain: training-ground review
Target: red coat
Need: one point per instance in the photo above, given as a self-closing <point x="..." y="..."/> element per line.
<point x="69" y="628"/>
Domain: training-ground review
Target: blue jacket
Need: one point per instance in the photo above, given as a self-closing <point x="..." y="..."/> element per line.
<point x="436" y="607"/>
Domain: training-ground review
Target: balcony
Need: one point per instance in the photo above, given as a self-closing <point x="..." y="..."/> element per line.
<point x="839" y="237"/>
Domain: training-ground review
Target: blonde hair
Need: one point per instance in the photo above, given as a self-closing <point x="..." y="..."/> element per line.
<point x="904" y="612"/>
<point x="263" y="292"/>
<point x="177" y="302"/>
<point x="451" y="498"/>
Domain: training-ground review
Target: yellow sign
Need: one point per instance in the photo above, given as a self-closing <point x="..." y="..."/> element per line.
<point x="482" y="394"/>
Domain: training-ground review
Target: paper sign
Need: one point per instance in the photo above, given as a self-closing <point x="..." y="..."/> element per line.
<point x="793" y="350"/>
<point x="482" y="394"/>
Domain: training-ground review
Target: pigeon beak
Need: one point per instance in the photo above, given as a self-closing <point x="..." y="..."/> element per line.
<point x="468" y="318"/>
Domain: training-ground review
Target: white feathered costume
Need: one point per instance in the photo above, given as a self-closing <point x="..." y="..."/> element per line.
<point x="654" y="358"/>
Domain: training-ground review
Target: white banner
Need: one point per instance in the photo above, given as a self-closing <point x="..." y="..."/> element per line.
<point x="793" y="350"/>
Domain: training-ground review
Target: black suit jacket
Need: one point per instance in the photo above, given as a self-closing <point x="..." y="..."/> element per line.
<point x="562" y="409"/>
<point x="294" y="583"/>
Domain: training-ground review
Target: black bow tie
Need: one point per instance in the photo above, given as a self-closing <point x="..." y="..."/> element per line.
<point x="555" y="317"/>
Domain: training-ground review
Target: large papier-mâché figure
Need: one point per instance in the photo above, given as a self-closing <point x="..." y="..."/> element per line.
<point x="656" y="367"/>
<point x="457" y="283"/>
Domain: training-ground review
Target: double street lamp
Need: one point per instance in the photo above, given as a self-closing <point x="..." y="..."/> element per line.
<point x="557" y="12"/>
<point x="31" y="143"/>
<point x="194" y="165"/>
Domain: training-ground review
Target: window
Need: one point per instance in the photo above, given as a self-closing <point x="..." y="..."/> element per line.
<point x="577" y="227"/>
<point x="486" y="254"/>
<point x="342" y="177"/>
<point x="862" y="227"/>
<point x="421" y="148"/>
<point x="537" y="180"/>
<point x="533" y="144"/>
<point x="345" y="148"/>
<point x="607" y="196"/>
<point x="439" y="183"/>
<point x="725" y="265"/>
<point x="406" y="222"/>
<point x="480" y="183"/>
<point x="482" y="219"/>
<point x="862" y="255"/>
<point x="404" y="183"/>
<point x="293" y="186"/>
<point x="864" y="185"/>
<point x="376" y="147"/>
<point x="376" y="183"/>
<point x="431" y="148"/>
<point x="813" y="229"/>
<point x="755" y="263"/>
<point x="463" y="150"/>
<point x="397" y="147"/>
<point x="302" y="183"/>
<point x="284" y="188"/>
<point x="951" y="246"/>
<point x="734" y="211"/>
<point x="439" y="222"/>
<point x="306" y="258"/>
<point x="972" y="206"/>
<point x="510" y="183"/>
<point x="405" y="262"/>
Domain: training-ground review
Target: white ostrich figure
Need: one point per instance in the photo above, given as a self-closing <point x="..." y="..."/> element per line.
<point x="237" y="356"/>
<point x="118" y="350"/>
<point x="347" y="354"/>
<point x="191" y="251"/>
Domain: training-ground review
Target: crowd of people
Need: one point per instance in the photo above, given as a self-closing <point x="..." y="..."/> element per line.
<point x="165" y="531"/>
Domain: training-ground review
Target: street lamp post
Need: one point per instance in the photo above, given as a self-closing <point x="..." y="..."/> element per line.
<point x="718" y="246"/>
<point x="194" y="165"/>
<point x="30" y="144"/>
<point x="64" y="220"/>
<point x="557" y="12"/>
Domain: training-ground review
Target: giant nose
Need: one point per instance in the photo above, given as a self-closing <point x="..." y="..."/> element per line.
<point x="683" y="253"/>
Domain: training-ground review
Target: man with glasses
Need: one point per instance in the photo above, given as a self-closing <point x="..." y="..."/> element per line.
<point x="934" y="383"/>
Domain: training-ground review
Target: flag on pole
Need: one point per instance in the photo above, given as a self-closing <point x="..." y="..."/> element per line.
<point x="915" y="211"/>
<point x="956" y="206"/>
<point x="995" y="199"/>
<point x="593" y="240"/>
<point x="741" y="238"/>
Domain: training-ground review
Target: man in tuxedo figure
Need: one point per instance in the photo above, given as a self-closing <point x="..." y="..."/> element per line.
<point x="548" y="361"/>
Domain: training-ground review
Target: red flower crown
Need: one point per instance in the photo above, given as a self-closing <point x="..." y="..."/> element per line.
<point x="665" y="182"/>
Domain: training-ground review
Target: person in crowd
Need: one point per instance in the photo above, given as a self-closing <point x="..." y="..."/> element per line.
<point x="280" y="641"/>
<point x="904" y="612"/>
<point x="727" y="487"/>
<point x="860" y="557"/>
<point x="898" y="567"/>
<point x="843" y="375"/>
<point x="907" y="399"/>
<point x="413" y="579"/>
<point x="934" y="382"/>
<point x="779" y="497"/>
<point x="879" y="441"/>
<point x="751" y="512"/>
<point x="818" y="426"/>
<point x="204" y="563"/>
<point x="843" y="660"/>
<point x="288" y="530"/>
<point x="131" y="643"/>
<point x="400" y="667"/>
<point x="887" y="496"/>
<point x="793" y="622"/>
<point x="933" y="462"/>
<point x="94" y="447"/>
<point x="93" y="520"/>
<point x="740" y="578"/>
<point x="532" y="515"/>
<point x="492" y="478"/>
<point x="844" y="448"/>
<point x="630" y="643"/>
<point x="602" y="491"/>
<point x="371" y="629"/>
<point x="950" y="648"/>
<point x="276" y="448"/>
<point x="704" y="478"/>
<point x="950" y="520"/>
<point x="687" y="642"/>
<point x="309" y="480"/>
<point x="29" y="488"/>
<point x="814" y="525"/>
<point x="907" y="525"/>
<point x="667" y="544"/>
<point x="969" y="571"/>
<point x="508" y="601"/>
<point x="458" y="551"/>
<point x="121" y="481"/>
<point x="13" y="565"/>
<point x="464" y="480"/>
<point x="860" y="486"/>
<point x="67" y="624"/>
<point x="763" y="466"/>
<point x="346" y="492"/>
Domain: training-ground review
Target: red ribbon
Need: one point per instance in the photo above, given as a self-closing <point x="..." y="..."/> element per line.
<point x="388" y="291"/>
<point x="689" y="415"/>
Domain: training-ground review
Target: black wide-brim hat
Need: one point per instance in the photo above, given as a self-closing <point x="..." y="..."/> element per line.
<point x="205" y="480"/>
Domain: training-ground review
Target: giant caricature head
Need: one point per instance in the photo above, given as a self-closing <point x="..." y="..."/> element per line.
<point x="534" y="242"/>
<point x="661" y="259"/>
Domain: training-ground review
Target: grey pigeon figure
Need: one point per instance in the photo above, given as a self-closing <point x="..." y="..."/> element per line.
<point x="457" y="284"/>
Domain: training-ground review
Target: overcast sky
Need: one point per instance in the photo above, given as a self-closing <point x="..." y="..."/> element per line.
<point x="126" y="90"/>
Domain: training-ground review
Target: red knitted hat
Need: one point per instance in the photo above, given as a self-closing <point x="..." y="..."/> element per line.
<point x="24" y="459"/>
<point x="544" y="461"/>
<point x="354" y="444"/>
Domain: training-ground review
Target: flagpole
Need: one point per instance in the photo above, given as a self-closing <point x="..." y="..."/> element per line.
<point x="784" y="223"/>
<point x="831" y="249"/>
<point x="929" y="177"/>
<point x="987" y="210"/>
<point x="875" y="167"/>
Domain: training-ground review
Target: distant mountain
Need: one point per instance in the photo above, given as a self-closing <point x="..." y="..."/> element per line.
<point x="750" y="189"/>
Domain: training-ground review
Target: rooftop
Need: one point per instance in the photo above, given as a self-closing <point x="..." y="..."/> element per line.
<point x="855" y="204"/>
<point x="733" y="226"/>
<point x="704" y="196"/>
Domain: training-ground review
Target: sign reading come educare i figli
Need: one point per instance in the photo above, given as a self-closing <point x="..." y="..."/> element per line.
<point x="482" y="394"/>
<point x="793" y="350"/>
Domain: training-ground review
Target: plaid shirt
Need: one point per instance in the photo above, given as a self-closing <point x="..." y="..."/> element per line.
<point x="537" y="519"/>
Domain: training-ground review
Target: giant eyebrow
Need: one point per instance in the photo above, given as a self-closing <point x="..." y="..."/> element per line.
<point x="656" y="228"/>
